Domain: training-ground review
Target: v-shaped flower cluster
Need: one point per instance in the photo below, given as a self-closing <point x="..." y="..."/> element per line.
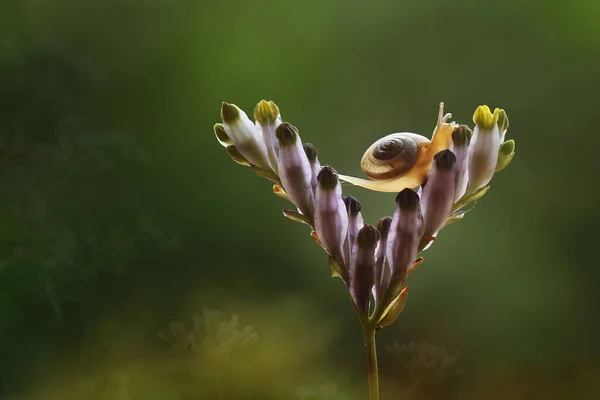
<point x="373" y="261"/>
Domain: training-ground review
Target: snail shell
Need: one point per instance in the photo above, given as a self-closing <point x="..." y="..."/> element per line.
<point x="402" y="160"/>
<point x="393" y="155"/>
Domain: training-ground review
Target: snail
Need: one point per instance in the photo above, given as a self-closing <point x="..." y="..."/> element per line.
<point x="402" y="160"/>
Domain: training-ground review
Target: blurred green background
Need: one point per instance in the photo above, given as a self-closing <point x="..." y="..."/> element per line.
<point x="120" y="213"/>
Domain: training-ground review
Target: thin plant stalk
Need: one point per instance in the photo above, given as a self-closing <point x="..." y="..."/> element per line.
<point x="372" y="368"/>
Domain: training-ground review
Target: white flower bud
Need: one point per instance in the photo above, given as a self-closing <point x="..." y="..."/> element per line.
<point x="483" y="150"/>
<point x="268" y="119"/>
<point x="502" y="124"/>
<point x="244" y="135"/>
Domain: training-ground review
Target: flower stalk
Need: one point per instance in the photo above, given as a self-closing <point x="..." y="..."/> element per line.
<point x="372" y="367"/>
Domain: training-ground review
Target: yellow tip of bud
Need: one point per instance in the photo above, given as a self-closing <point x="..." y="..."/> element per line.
<point x="266" y="112"/>
<point x="484" y="117"/>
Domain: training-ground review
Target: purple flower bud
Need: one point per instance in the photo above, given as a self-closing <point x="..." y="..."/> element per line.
<point x="355" y="222"/>
<point x="363" y="266"/>
<point x="331" y="218"/>
<point x="382" y="271"/>
<point x="315" y="165"/>
<point x="438" y="193"/>
<point x="461" y="137"/>
<point x="403" y="236"/>
<point x="294" y="168"/>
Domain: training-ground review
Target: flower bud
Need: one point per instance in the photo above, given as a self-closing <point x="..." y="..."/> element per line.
<point x="268" y="119"/>
<point x="244" y="135"/>
<point x="438" y="193"/>
<point x="483" y="150"/>
<point x="403" y="239"/>
<point x="461" y="138"/>
<point x="382" y="271"/>
<point x="355" y="222"/>
<point x="362" y="267"/>
<point x="331" y="218"/>
<point x="294" y="169"/>
<point x="505" y="154"/>
<point x="502" y="124"/>
<point x="315" y="165"/>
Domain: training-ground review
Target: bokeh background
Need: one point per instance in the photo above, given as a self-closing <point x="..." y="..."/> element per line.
<point x="120" y="213"/>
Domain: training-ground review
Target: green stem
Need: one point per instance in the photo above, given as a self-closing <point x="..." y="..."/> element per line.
<point x="372" y="368"/>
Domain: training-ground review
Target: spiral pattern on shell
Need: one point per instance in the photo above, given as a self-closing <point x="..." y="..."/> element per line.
<point x="393" y="156"/>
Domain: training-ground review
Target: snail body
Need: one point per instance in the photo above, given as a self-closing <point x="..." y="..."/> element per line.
<point x="402" y="160"/>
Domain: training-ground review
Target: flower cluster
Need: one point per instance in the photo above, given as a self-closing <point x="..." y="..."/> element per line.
<point x="326" y="391"/>
<point x="373" y="261"/>
<point x="212" y="336"/>
<point x="425" y="362"/>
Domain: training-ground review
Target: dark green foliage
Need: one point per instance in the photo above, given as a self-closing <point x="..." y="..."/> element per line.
<point x="119" y="211"/>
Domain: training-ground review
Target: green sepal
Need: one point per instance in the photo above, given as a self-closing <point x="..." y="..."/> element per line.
<point x="279" y="192"/>
<point x="501" y="165"/>
<point x="506" y="152"/>
<point x="457" y="216"/>
<point x="393" y="310"/>
<point x="337" y="271"/>
<point x="221" y="136"/>
<point x="413" y="267"/>
<point x="394" y="289"/>
<point x="297" y="217"/>
<point x="425" y="242"/>
<point x="235" y="154"/>
<point x="502" y="120"/>
<point x="269" y="174"/>
<point x="469" y="198"/>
